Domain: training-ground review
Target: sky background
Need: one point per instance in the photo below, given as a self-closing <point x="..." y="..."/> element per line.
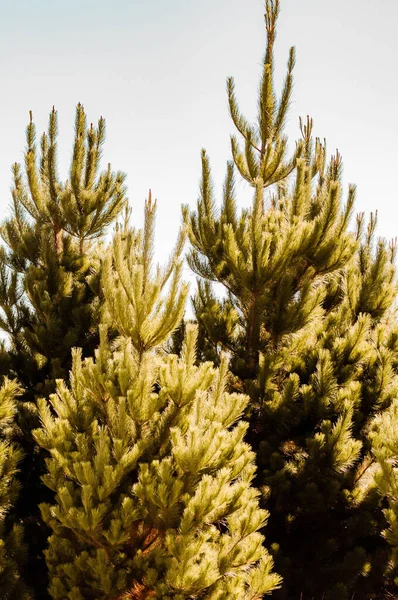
<point x="156" y="70"/>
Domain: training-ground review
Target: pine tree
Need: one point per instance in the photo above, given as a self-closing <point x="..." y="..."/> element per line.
<point x="12" y="548"/>
<point x="147" y="458"/>
<point x="48" y="302"/>
<point x="49" y="275"/>
<point x="304" y="320"/>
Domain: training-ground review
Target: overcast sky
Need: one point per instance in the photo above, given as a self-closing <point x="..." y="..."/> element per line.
<point x="156" y="70"/>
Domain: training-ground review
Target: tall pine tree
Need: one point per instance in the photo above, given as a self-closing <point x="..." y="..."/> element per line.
<point x="147" y="459"/>
<point x="304" y="320"/>
<point x="49" y="292"/>
<point x="48" y="301"/>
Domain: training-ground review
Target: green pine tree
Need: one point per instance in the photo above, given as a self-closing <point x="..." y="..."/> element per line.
<point x="47" y="296"/>
<point x="304" y="320"/>
<point x="12" y="548"/>
<point x="147" y="458"/>
<point x="49" y="283"/>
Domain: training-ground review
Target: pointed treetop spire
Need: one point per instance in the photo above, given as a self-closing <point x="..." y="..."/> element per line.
<point x="265" y="147"/>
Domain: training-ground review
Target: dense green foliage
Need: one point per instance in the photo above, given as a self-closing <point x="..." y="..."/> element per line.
<point x="150" y="470"/>
<point x="46" y="295"/>
<point x="144" y="456"/>
<point x="12" y="548"/>
<point x="307" y="319"/>
<point x="385" y="450"/>
<point x="49" y="284"/>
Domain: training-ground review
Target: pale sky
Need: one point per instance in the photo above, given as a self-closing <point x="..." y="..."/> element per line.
<point x="156" y="71"/>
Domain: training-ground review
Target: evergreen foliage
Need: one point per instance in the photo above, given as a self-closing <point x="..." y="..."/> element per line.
<point x="304" y="319"/>
<point x="265" y="146"/>
<point x="141" y="455"/>
<point x="147" y="459"/>
<point x="49" y="283"/>
<point x="46" y="295"/>
<point x="12" y="548"/>
<point x="385" y="449"/>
